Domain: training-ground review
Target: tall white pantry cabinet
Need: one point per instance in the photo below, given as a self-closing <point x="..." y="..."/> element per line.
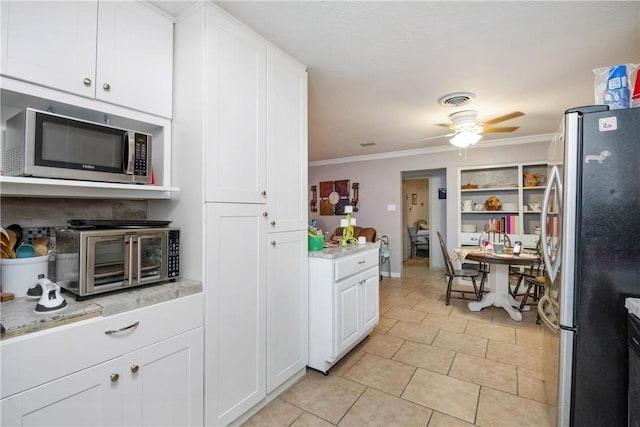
<point x="240" y="158"/>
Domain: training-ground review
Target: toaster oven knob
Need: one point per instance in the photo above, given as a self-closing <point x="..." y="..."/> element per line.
<point x="115" y="377"/>
<point x="87" y="81"/>
<point x="134" y="368"/>
<point x="106" y="86"/>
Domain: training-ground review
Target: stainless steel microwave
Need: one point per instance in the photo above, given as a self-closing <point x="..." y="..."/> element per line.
<point x="49" y="145"/>
<point x="89" y="262"/>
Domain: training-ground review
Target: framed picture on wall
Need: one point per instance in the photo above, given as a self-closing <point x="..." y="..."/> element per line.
<point x="414" y="199"/>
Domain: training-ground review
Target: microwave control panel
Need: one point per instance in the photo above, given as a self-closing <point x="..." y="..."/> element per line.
<point x="173" y="256"/>
<point x="140" y="162"/>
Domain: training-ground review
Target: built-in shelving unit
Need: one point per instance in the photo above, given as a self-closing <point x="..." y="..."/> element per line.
<point x="521" y="201"/>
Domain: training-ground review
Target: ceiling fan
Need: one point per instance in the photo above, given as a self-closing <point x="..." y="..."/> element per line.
<point x="467" y="130"/>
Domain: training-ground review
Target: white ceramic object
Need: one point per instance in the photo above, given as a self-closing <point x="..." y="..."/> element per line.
<point x="509" y="206"/>
<point x="20" y="274"/>
<point x="468" y="228"/>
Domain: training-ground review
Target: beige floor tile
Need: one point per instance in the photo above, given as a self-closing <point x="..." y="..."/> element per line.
<point x="461" y="309"/>
<point x="529" y="337"/>
<point x="443" y="420"/>
<point x="401" y="302"/>
<point x="425" y="356"/>
<point x="497" y="409"/>
<point x="444" y="394"/>
<point x="276" y="413"/>
<point x="435" y="307"/>
<point x="514" y="354"/>
<point x="350" y="359"/>
<point x="492" y="331"/>
<point x="413" y="332"/>
<point x="485" y="372"/>
<point x="427" y="293"/>
<point x="475" y="346"/>
<point x="382" y="345"/>
<point x="310" y="420"/>
<point x="448" y="323"/>
<point x="405" y="314"/>
<point x="328" y="397"/>
<point x="531" y="385"/>
<point x="380" y="373"/>
<point x="384" y="325"/>
<point x="384" y="308"/>
<point x="388" y="290"/>
<point x="375" y="408"/>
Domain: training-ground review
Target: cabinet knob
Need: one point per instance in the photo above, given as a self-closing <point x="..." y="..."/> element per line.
<point x="263" y="193"/>
<point x="265" y="214"/>
<point x="106" y="86"/>
<point x="273" y="243"/>
<point x="273" y="223"/>
<point x="135" y="368"/>
<point x="87" y="81"/>
<point x="115" y="377"/>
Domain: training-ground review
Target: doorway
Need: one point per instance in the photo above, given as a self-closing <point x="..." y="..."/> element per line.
<point x="424" y="211"/>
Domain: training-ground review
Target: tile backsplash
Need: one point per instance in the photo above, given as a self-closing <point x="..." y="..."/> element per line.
<point x="42" y="212"/>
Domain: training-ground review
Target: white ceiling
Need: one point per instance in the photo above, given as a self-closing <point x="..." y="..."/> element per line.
<point x="377" y="69"/>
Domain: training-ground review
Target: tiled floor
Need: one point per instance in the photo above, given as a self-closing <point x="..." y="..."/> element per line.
<point x="426" y="364"/>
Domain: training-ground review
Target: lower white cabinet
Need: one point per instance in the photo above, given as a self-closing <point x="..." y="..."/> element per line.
<point x="343" y="304"/>
<point x="157" y="384"/>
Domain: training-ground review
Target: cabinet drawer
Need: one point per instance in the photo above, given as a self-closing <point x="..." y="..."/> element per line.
<point x="34" y="359"/>
<point x="355" y="263"/>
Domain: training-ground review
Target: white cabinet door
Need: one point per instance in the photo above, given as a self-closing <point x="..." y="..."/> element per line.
<point x="165" y="383"/>
<point x="86" y="398"/>
<point x="135" y="57"/>
<point x="369" y="290"/>
<point x="347" y="312"/>
<point x="51" y="43"/>
<point x="235" y="112"/>
<point x="286" y="143"/>
<point x="235" y="281"/>
<point x="287" y="302"/>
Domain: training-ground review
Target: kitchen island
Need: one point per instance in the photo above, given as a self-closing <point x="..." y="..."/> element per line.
<point x="343" y="301"/>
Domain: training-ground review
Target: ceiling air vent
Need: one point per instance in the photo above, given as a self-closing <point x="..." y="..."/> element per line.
<point x="457" y="99"/>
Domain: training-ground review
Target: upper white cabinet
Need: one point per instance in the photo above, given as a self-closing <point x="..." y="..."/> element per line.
<point x="236" y="112"/>
<point x="118" y="52"/>
<point x="286" y="143"/>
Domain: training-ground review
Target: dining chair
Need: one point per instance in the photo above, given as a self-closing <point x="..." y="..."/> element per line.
<point x="451" y="273"/>
<point x="417" y="243"/>
<point x="533" y="280"/>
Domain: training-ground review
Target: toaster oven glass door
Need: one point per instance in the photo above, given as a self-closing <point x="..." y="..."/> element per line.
<point x="123" y="260"/>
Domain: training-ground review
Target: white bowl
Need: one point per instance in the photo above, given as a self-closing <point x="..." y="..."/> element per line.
<point x="468" y="228"/>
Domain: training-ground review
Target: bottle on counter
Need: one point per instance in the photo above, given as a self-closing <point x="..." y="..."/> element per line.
<point x="482" y="241"/>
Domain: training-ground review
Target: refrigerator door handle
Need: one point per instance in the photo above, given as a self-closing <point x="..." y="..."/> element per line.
<point x="551" y="266"/>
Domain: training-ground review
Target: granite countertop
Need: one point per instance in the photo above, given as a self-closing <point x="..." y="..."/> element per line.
<point x="340" y="251"/>
<point x="18" y="318"/>
<point x="633" y="305"/>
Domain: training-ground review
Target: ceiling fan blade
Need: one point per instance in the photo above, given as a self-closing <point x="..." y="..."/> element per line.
<point x="430" y="138"/>
<point x="503" y="118"/>
<point x="501" y="129"/>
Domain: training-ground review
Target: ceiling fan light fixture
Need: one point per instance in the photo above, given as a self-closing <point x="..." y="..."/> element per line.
<point x="465" y="138"/>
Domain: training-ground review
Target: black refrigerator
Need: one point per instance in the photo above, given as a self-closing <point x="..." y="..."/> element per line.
<point x="591" y="239"/>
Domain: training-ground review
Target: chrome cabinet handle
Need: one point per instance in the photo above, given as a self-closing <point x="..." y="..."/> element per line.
<point x="124" y="328"/>
<point x="115" y="377"/>
<point x="273" y="243"/>
<point x="135" y="369"/>
<point x="265" y="214"/>
<point x="87" y="81"/>
<point x="263" y="193"/>
<point x="361" y="262"/>
<point x="273" y="223"/>
<point x="106" y="86"/>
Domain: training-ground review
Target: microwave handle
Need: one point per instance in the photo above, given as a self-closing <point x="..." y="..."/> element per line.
<point x="129" y="152"/>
